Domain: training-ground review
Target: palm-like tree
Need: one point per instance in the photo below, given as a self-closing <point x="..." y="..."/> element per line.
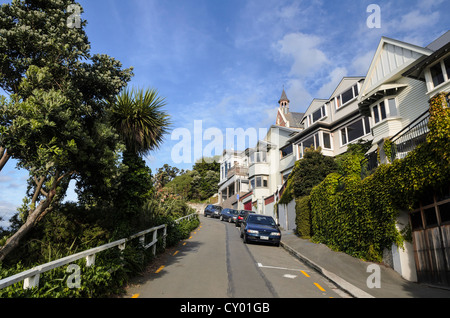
<point x="138" y="117"/>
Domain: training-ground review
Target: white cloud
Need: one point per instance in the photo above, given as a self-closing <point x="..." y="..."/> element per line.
<point x="361" y="63"/>
<point x="335" y="78"/>
<point x="304" y="50"/>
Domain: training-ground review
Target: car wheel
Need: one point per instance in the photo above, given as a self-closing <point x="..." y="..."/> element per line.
<point x="221" y="218"/>
<point x="245" y="239"/>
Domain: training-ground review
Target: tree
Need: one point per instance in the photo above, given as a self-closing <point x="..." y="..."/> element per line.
<point x="138" y="117"/>
<point x="165" y="175"/>
<point x="54" y="121"/>
<point x="310" y="171"/>
<point x="141" y="123"/>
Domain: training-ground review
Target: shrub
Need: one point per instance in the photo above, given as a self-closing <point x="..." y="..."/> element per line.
<point x="303" y="217"/>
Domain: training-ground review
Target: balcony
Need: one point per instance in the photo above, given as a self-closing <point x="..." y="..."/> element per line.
<point x="237" y="170"/>
<point x="410" y="137"/>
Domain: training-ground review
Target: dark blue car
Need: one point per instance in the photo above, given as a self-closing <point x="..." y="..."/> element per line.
<point x="228" y="215"/>
<point x="260" y="228"/>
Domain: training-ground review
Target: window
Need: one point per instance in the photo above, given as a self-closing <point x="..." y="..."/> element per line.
<point x="354" y="131"/>
<point x="286" y="151"/>
<point x="376" y="114"/>
<point x="392" y="107"/>
<point x="259" y="182"/>
<point x="258" y="157"/>
<point x="447" y="67"/>
<point x="436" y="74"/>
<point x="312" y="141"/>
<point x="318" y="114"/>
<point x="346" y="96"/>
<point x="326" y="140"/>
<point x="308" y="143"/>
<point x="386" y="108"/>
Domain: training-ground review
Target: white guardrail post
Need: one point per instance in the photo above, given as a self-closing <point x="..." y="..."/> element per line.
<point x="30" y="277"/>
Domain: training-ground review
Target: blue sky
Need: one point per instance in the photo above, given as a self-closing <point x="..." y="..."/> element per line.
<point x="225" y="62"/>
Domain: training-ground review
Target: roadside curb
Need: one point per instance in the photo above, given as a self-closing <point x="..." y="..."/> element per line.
<point x="341" y="283"/>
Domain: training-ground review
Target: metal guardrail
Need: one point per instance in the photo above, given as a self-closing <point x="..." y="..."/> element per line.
<point x="31" y="276"/>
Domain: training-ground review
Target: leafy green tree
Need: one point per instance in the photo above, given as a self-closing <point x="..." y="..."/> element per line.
<point x="165" y="175"/>
<point x="55" y="120"/>
<point x="310" y="171"/>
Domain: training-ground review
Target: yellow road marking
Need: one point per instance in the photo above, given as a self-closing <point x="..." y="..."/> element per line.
<point x="135" y="296"/>
<point x="304" y="273"/>
<point x="190" y="237"/>
<point x="184" y="243"/>
<point x="175" y="253"/>
<point x="159" y="269"/>
<point x="320" y="287"/>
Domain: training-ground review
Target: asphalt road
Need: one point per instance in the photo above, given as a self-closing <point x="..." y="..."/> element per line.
<point x="215" y="263"/>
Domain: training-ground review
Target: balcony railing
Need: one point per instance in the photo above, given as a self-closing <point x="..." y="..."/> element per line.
<point x="238" y="171"/>
<point x="405" y="141"/>
<point x="410" y="137"/>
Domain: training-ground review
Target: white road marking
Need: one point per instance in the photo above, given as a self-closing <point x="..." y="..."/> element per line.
<point x="275" y="267"/>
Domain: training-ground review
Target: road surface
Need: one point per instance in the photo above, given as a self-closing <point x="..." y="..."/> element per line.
<point x="215" y="263"/>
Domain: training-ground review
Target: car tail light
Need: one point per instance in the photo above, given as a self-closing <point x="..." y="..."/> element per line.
<point x="240" y="217"/>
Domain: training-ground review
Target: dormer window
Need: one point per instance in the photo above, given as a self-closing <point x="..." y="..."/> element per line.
<point x="346" y="97"/>
<point x="319" y="114"/>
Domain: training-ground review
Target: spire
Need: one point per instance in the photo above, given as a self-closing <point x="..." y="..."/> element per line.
<point x="283" y="97"/>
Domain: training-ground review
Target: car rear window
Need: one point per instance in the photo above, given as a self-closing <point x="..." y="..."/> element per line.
<point x="259" y="219"/>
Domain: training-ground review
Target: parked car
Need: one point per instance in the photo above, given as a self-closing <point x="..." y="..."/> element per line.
<point x="260" y="228"/>
<point x="212" y="210"/>
<point x="242" y="215"/>
<point x="228" y="215"/>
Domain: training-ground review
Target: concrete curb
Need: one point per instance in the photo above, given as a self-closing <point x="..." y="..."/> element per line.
<point x="341" y="283"/>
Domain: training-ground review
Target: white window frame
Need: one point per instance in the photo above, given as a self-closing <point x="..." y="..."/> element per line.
<point x="339" y="97"/>
<point x="316" y="137"/>
<point x="387" y="109"/>
<point x="346" y="132"/>
<point x="429" y="78"/>
<point x="262" y="178"/>
<point x="323" y="140"/>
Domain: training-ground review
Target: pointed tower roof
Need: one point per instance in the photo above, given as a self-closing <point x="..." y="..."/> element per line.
<point x="283" y="97"/>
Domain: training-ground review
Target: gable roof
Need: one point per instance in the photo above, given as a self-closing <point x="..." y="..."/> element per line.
<point x="391" y="59"/>
<point x="341" y="83"/>
<point x="295" y="119"/>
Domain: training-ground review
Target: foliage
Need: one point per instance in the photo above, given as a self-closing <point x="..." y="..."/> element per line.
<point x="54" y="122"/>
<point x="307" y="173"/>
<point x="359" y="216"/>
<point x="303" y="216"/>
<point x="138" y="117"/>
<point x="166" y="174"/>
<point x="196" y="185"/>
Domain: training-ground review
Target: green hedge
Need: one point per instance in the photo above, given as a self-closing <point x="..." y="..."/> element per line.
<point x="303" y="216"/>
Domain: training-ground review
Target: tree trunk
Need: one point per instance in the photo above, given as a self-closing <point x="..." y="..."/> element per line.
<point x="32" y="219"/>
<point x="4" y="157"/>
